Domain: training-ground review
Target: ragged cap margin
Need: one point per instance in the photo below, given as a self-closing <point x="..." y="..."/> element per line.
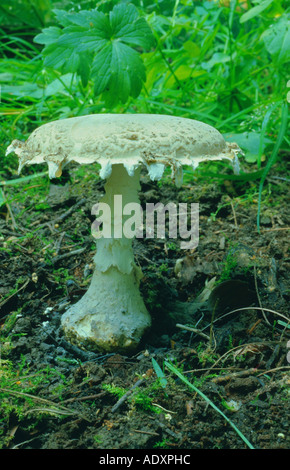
<point x="153" y="140"/>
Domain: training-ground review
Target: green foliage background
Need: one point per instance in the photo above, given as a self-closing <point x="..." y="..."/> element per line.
<point x="222" y="62"/>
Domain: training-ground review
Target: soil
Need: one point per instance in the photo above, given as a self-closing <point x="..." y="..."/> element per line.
<point x="233" y="289"/>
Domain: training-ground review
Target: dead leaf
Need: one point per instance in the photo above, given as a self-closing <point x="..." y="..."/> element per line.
<point x="189" y="407"/>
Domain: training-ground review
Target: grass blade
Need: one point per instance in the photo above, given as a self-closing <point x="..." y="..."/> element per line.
<point x="273" y="157"/>
<point x="2" y="198"/>
<point x="190" y="385"/>
<point x="22" y="180"/>
<point x="264" y="128"/>
<point x="159" y="373"/>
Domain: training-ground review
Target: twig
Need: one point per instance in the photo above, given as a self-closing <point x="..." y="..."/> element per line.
<point x="168" y="431"/>
<point x="34" y="397"/>
<point x="259" y="308"/>
<point x="194" y="330"/>
<point x="58" y="243"/>
<point x="88" y="397"/>
<point x="51" y="410"/>
<point x="12" y="295"/>
<point x="258" y="296"/>
<point x="273" y="229"/>
<point x="69" y="211"/>
<point x="164" y="409"/>
<point x="266" y="343"/>
<point x="9" y="232"/>
<point x="279" y="178"/>
<point x="274" y="370"/>
<point x="63" y="216"/>
<point x="193" y="371"/>
<point x="247" y="308"/>
<point x="234" y="214"/>
<point x="127" y="394"/>
<point x="228" y="377"/>
<point x="204" y="397"/>
<point x="66" y="255"/>
<point x="14" y="224"/>
<point x="146" y="432"/>
<point x="24" y="442"/>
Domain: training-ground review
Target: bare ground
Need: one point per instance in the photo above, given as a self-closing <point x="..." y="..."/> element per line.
<point x="234" y="288"/>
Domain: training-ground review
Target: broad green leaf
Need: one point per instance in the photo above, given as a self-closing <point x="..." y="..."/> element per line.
<point x="119" y="71"/>
<point x="81" y="40"/>
<point x="277" y="40"/>
<point x="120" y="76"/>
<point x="217" y="58"/>
<point x="191" y="48"/>
<point x="249" y="142"/>
<point x="255" y="11"/>
<point x="101" y="69"/>
<point x="121" y="16"/>
<point x="138" y="34"/>
<point x="108" y="42"/>
<point x="63" y="17"/>
<point x="83" y="18"/>
<point x="56" y="58"/>
<point x="48" y="36"/>
<point x="84" y="68"/>
<point x="127" y="27"/>
<point x="72" y="63"/>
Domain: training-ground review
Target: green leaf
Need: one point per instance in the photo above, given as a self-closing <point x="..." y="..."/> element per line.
<point x="249" y="142"/>
<point x="101" y="69"/>
<point x="63" y="17"/>
<point x="84" y="68"/>
<point x="80" y="39"/>
<point x="56" y="58"/>
<point x="191" y="48"/>
<point x="121" y="16"/>
<point x="217" y="58"/>
<point x="72" y="63"/>
<point x="34" y="13"/>
<point x="100" y="46"/>
<point x="159" y="372"/>
<point x="127" y="27"/>
<point x="277" y="40"/>
<point x="283" y="323"/>
<point x="255" y="11"/>
<point x="126" y="73"/>
<point x="48" y="36"/>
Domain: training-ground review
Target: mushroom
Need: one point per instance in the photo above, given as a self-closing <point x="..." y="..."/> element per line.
<point x="111" y="316"/>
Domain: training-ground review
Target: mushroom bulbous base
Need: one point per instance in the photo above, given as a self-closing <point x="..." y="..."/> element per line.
<point x="110" y="317"/>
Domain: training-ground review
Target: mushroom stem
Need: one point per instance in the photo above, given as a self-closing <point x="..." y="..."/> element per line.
<point x="114" y="247"/>
<point x="111" y="315"/>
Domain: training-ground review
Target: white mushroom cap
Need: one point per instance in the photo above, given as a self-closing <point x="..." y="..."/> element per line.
<point x="130" y="139"/>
